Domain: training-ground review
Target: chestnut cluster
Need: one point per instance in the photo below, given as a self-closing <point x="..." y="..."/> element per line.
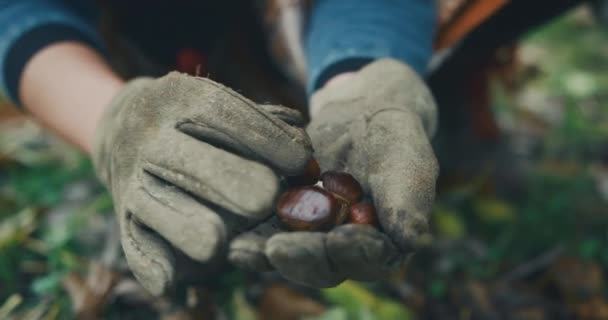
<point x="308" y="207"/>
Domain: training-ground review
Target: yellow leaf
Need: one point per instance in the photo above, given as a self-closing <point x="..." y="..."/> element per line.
<point x="9" y="305"/>
<point x="17" y="228"/>
<point x="355" y="298"/>
<point x="448" y="223"/>
<point x="491" y="209"/>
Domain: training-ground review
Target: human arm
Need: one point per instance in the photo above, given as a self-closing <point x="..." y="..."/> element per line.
<point x="66" y="87"/>
<point x="50" y="65"/>
<point x="188" y="162"/>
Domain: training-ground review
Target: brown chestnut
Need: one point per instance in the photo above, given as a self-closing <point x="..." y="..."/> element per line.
<point x="343" y="185"/>
<point x="309" y="177"/>
<point x="363" y="213"/>
<point x="310" y="208"/>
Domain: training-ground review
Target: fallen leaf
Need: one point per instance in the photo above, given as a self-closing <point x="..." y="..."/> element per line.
<point x="331" y="314"/>
<point x="280" y="302"/>
<point x="529" y="313"/>
<point x="17" y="228"/>
<point x="448" y="223"/>
<point x="358" y="300"/>
<point x="9" y="305"/>
<point x="242" y="309"/>
<point x="595" y="308"/>
<point x="576" y="280"/>
<point x="90" y="295"/>
<point x="493" y="210"/>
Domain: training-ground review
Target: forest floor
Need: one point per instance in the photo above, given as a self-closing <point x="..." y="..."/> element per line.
<point x="523" y="237"/>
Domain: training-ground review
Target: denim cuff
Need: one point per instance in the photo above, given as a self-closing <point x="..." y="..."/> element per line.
<point x="342" y="66"/>
<point x="343" y="31"/>
<point x="28" y="26"/>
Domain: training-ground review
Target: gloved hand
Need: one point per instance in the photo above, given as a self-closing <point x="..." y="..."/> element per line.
<point x="376" y="126"/>
<point x="190" y="164"/>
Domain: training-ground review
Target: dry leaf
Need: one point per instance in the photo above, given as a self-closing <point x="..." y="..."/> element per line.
<point x="595" y="308"/>
<point x="576" y="280"/>
<point x="90" y="296"/>
<point x="280" y="302"/>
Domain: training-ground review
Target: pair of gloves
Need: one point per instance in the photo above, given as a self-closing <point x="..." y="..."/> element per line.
<point x="194" y="169"/>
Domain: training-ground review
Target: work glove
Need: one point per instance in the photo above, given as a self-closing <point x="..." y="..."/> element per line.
<point x="376" y="126"/>
<point x="190" y="164"/>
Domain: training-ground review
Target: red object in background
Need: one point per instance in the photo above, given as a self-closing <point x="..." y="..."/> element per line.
<point x="191" y="61"/>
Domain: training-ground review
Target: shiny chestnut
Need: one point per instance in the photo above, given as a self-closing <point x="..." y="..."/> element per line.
<point x="311" y="175"/>
<point x="310" y="208"/>
<point x="363" y="213"/>
<point x="342" y="184"/>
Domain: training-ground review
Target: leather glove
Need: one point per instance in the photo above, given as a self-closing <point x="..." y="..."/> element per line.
<point x="376" y="126"/>
<point x="190" y="164"/>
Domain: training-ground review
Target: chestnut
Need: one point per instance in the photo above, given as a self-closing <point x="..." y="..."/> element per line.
<point x="363" y="213"/>
<point x="342" y="184"/>
<point x="309" y="177"/>
<point x="310" y="208"/>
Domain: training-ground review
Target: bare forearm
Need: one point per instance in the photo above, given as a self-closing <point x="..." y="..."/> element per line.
<point x="66" y="87"/>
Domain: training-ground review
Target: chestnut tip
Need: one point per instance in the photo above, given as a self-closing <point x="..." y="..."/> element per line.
<point x="310" y="176"/>
<point x="343" y="184"/>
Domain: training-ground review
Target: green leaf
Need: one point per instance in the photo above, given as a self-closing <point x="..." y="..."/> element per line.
<point x="580" y="84"/>
<point x="494" y="210"/>
<point x="9" y="305"/>
<point x="242" y="310"/>
<point x="336" y="313"/>
<point x="590" y="248"/>
<point x="48" y="283"/>
<point x="350" y="296"/>
<point x="360" y="303"/>
<point x="437" y="288"/>
<point x="17" y="228"/>
<point x="448" y="223"/>
<point x="392" y="310"/>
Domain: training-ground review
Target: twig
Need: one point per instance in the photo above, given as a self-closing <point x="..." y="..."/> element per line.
<point x="528" y="268"/>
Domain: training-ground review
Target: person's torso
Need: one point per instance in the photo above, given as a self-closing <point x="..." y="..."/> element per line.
<point x="161" y="28"/>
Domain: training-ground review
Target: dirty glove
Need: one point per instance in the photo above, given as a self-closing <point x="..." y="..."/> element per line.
<point x="190" y="164"/>
<point x="376" y="126"/>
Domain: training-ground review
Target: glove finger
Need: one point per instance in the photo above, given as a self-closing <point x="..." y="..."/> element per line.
<point x="331" y="138"/>
<point x="188" y="225"/>
<point x="243" y="187"/>
<point x="290" y="116"/>
<point x="149" y="257"/>
<point x="402" y="174"/>
<point x="362" y="253"/>
<point x="218" y="115"/>
<point x="302" y="257"/>
<point x="247" y="251"/>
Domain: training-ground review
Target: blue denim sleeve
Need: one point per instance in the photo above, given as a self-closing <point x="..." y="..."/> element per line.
<point x="27" y="26"/>
<point x="343" y="35"/>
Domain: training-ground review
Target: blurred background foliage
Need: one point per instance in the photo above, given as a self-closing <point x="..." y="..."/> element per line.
<point x="523" y="238"/>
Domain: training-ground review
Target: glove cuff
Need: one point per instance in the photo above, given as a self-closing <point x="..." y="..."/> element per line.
<point x="106" y="127"/>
